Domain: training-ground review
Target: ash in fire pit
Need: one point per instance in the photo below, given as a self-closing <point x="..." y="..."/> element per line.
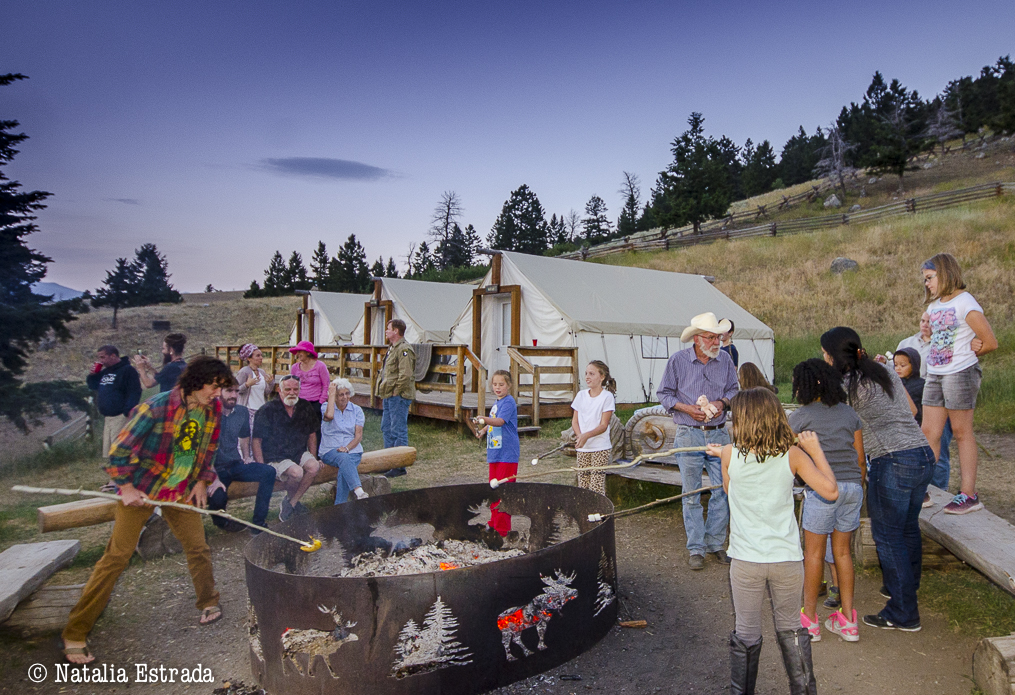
<point x="432" y="557"/>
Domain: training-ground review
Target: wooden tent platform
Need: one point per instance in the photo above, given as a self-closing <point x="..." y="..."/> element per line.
<point x="440" y="405"/>
<point x="980" y="539"/>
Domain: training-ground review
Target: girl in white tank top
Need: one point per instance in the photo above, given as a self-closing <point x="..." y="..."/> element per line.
<point x="757" y="471"/>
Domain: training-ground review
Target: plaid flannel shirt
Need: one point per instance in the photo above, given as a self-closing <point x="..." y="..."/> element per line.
<point x="142" y="453"/>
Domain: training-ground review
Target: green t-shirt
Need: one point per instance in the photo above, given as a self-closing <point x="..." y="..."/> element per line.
<point x="185" y="445"/>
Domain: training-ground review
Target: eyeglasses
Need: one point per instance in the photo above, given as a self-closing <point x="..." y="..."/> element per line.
<point x="709" y="339"/>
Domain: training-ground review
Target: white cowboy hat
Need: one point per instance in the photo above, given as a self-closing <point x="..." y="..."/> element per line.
<point x="704" y="323"/>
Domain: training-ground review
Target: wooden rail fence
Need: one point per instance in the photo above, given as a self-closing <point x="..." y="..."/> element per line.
<point x="665" y="239"/>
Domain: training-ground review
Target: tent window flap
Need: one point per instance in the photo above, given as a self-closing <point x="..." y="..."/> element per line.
<point x="655" y="348"/>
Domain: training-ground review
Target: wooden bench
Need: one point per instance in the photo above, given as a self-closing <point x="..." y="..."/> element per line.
<point x="88" y="512"/>
<point x="24" y="567"/>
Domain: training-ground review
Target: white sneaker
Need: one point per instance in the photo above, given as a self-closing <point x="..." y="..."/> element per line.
<point x="360" y="493"/>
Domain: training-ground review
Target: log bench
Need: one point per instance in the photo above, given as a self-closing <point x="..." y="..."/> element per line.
<point x="88" y="512"/>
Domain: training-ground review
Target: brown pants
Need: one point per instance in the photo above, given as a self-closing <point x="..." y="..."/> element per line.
<point x="188" y="527"/>
<point x="596" y="480"/>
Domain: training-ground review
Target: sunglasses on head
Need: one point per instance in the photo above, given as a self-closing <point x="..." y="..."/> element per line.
<point x="289" y="377"/>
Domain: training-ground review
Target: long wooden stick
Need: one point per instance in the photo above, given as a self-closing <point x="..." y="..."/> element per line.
<point x="656" y="503"/>
<point x="549" y="453"/>
<point x="495" y="483"/>
<point x="307" y="546"/>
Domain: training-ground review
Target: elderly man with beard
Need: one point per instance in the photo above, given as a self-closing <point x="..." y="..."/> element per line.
<point x="233" y="463"/>
<point x="701" y="370"/>
<point x="285" y="437"/>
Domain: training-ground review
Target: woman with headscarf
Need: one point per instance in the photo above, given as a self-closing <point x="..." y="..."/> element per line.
<point x="256" y="385"/>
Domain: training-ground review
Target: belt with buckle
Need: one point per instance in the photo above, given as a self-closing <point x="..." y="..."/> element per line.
<point x="707" y="428"/>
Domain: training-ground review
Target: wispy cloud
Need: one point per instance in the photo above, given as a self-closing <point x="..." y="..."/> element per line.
<point x="325" y="168"/>
<point x="125" y="201"/>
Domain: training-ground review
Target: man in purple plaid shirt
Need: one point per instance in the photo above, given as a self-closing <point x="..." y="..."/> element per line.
<point x="701" y="370"/>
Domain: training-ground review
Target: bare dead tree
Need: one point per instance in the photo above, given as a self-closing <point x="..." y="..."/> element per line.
<point x="447" y="212"/>
<point x="944" y="127"/>
<point x="832" y="164"/>
<point x="572" y="221"/>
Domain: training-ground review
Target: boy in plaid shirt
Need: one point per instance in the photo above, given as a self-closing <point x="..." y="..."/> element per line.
<point x="164" y="452"/>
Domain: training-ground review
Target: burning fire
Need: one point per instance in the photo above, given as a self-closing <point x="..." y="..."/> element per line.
<point x="448" y="566"/>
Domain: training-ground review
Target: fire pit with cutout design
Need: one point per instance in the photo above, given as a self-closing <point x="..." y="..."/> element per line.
<point x="477" y="600"/>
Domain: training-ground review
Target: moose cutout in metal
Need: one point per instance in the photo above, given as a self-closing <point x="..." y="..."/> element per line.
<point x="537" y="613"/>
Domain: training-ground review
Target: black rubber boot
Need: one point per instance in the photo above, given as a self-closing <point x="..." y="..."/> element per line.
<point x="796" y="655"/>
<point x="743" y="665"/>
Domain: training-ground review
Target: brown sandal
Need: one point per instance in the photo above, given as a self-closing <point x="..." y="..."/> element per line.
<point x="210" y="610"/>
<point x="78" y="651"/>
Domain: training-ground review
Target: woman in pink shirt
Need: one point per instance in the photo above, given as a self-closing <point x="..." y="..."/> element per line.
<point x="313" y="375"/>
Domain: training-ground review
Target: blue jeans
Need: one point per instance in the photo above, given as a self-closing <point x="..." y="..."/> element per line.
<point x="896" y="484"/>
<point x="703" y="536"/>
<point x="395" y="421"/>
<point x="348" y="476"/>
<point x="237" y="471"/>
<point x="943" y="471"/>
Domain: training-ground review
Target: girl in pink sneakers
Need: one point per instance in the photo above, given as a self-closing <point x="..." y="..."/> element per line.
<point x="757" y="472"/>
<point x="818" y="388"/>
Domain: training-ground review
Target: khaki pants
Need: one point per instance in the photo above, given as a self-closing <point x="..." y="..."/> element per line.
<point x="188" y="527"/>
<point x="111" y="428"/>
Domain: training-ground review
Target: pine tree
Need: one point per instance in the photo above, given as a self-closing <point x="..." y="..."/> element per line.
<point x="296" y="274"/>
<point x="596" y="225"/>
<point x="26" y="318"/>
<point x="275" y="277"/>
<point x="392" y="271"/>
<point x="422" y="260"/>
<point x="119" y="288"/>
<point x="799" y="156"/>
<point x="152" y="272"/>
<point x="377" y="269"/>
<point x="697" y="186"/>
<point x="521" y="225"/>
<point x="454" y="252"/>
<point x="319" y="266"/>
<point x="630" y="190"/>
<point x="355" y="273"/>
<point x="759" y="168"/>
<point x="253" y="291"/>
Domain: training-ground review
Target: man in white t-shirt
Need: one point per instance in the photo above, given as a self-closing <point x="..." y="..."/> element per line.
<point x="921" y="343"/>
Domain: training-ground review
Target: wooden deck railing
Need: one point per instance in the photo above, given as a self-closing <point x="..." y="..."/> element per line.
<point x="362" y="364"/>
<point x="522" y="365"/>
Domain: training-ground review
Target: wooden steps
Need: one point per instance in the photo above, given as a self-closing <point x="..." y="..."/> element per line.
<point x="24" y="568"/>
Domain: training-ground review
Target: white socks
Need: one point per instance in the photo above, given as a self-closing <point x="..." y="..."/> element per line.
<point x="360" y="493"/>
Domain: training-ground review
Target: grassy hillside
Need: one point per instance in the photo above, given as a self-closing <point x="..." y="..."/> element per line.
<point x="206" y="319"/>
<point x="786" y="282"/>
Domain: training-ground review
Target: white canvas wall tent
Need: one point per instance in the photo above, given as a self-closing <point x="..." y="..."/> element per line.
<point x="335" y="316"/>
<point x="631" y="318"/>
<point x="429" y="310"/>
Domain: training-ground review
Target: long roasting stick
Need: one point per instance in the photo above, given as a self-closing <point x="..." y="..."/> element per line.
<point x="495" y="483"/>
<point x="549" y="453"/>
<point x="306" y="546"/>
<point x="656" y="503"/>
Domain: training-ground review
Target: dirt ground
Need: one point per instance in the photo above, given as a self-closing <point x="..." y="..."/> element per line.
<point x="683" y="649"/>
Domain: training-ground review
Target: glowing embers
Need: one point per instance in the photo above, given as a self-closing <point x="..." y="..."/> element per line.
<point x="313" y="643"/>
<point x="431" y="557"/>
<point x="513" y="622"/>
<point x="430" y="647"/>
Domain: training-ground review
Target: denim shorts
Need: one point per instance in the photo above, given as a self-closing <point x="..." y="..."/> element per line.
<point x="843" y="515"/>
<point x="953" y="391"/>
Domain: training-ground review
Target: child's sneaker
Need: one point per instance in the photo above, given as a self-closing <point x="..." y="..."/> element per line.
<point x="833" y="600"/>
<point x="963" y="504"/>
<point x="813" y="626"/>
<point x="838" y="624"/>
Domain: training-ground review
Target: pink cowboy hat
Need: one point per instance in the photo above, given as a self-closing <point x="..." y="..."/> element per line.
<point x="304" y="346"/>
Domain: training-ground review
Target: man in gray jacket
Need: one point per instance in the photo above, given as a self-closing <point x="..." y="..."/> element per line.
<point x="397" y="389"/>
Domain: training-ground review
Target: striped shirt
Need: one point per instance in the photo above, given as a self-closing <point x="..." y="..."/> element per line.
<point x="142" y="453"/>
<point x="686" y="378"/>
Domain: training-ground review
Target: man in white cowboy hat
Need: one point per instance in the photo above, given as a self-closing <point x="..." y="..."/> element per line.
<point x="701" y="370"/>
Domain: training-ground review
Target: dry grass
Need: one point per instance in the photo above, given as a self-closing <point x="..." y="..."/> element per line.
<point x="220" y="318"/>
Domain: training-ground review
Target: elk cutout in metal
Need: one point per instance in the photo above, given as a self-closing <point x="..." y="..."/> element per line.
<point x="315" y="643"/>
<point x="537" y="613"/>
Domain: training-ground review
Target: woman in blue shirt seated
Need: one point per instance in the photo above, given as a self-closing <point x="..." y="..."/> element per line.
<point x="341" y="437"/>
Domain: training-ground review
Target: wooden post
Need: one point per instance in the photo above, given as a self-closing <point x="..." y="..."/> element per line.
<point x="273" y="358"/>
<point x="516" y="315"/>
<point x="477" y="332"/>
<point x="481" y="393"/>
<point x="373" y="376"/>
<point x="495" y="269"/>
<point x="535" y="396"/>
<point x="576" y="385"/>
<point x="459" y="381"/>
<point x="311" y="328"/>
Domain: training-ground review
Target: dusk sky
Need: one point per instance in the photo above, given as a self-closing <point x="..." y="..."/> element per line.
<point x="223" y="131"/>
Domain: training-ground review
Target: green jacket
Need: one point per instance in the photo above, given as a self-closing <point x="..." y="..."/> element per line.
<point x="397" y="373"/>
